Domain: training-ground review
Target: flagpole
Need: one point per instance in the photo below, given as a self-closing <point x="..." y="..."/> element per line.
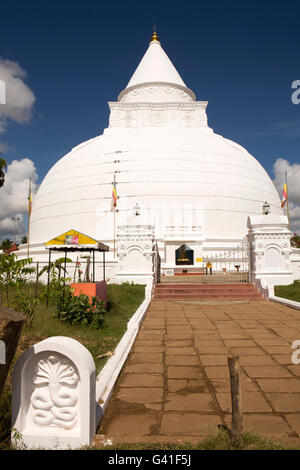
<point x="114" y="222"/>
<point x="29" y="213"/>
<point x="114" y="232"/>
<point x="287" y="200"/>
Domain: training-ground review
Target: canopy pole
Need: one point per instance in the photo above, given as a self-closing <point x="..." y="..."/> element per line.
<point x="29" y="214"/>
<point x="65" y="265"/>
<point x="93" y="265"/>
<point x="48" y="276"/>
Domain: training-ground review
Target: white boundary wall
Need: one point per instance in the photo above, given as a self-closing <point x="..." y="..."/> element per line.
<point x="287" y="302"/>
<point x="108" y="375"/>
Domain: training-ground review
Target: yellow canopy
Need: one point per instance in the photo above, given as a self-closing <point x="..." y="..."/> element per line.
<point x="72" y="237"/>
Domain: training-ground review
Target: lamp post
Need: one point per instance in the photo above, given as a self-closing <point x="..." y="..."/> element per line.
<point x="15" y="220"/>
<point x="266" y="208"/>
<point x="136" y="210"/>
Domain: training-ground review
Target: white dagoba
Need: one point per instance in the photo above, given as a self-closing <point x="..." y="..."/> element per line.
<point x="192" y="185"/>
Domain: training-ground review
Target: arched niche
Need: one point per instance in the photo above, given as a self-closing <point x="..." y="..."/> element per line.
<point x="272" y="258"/>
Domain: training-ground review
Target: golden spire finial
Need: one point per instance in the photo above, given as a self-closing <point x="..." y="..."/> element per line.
<point x="154" y="36"/>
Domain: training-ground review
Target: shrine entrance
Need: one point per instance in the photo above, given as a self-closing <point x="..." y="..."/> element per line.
<point x="184" y="255"/>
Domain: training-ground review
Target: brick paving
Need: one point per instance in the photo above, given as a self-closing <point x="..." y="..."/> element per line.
<point x="174" y="386"/>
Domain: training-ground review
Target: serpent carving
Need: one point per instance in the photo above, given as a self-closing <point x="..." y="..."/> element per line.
<point x="55" y="397"/>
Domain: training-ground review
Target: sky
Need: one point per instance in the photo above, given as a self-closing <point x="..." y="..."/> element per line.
<point x="63" y="61"/>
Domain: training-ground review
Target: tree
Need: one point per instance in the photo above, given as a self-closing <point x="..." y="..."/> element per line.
<point x="55" y="267"/>
<point x="24" y="240"/>
<point x="13" y="271"/>
<point x="6" y="244"/>
<point x="295" y="241"/>
<point x="2" y="168"/>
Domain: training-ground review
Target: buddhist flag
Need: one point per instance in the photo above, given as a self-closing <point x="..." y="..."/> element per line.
<point x="114" y="196"/>
<point x="284" y="196"/>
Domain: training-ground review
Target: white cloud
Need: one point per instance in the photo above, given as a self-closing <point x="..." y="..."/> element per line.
<point x="282" y="166"/>
<point x="19" y="99"/>
<point x="14" y="196"/>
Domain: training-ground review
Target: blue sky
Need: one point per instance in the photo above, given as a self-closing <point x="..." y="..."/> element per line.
<point x="240" y="56"/>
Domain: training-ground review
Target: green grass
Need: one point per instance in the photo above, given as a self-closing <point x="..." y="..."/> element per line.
<point x="5" y="417"/>
<point x="291" y="292"/>
<point x="218" y="441"/>
<point x="123" y="301"/>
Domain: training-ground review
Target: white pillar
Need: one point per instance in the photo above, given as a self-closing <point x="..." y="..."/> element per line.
<point x="135" y="253"/>
<point x="270" y="249"/>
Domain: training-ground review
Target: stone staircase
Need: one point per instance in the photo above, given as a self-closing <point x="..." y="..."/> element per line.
<point x="193" y="291"/>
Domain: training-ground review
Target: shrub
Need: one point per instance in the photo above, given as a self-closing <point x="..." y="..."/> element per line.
<point x="26" y="304"/>
<point x="54" y="290"/>
<point x="14" y="271"/>
<point x="79" y="310"/>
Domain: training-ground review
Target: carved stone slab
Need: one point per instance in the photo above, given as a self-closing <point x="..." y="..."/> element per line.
<point x="54" y="403"/>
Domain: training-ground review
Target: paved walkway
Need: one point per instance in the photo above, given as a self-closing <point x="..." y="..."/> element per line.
<point x="174" y="386"/>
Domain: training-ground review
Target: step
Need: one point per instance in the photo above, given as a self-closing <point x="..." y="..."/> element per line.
<point x="208" y="288"/>
<point x="207" y="296"/>
<point x="193" y="293"/>
<point x="206" y="285"/>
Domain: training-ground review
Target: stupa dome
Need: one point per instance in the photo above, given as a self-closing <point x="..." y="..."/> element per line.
<point x="165" y="158"/>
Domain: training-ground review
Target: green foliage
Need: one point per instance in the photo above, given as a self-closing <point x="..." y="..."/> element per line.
<point x="6" y="244"/>
<point x="53" y="291"/>
<point x="295" y="241"/>
<point x="26" y="304"/>
<point x="2" y="168"/>
<point x="13" y="271"/>
<point x="18" y="442"/>
<point x="5" y="418"/>
<point x="56" y="267"/>
<point x="219" y="440"/>
<point x="79" y="310"/>
<point x="24" y="240"/>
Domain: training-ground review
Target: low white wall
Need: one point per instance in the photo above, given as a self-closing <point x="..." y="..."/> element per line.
<point x="295" y="263"/>
<point x="287" y="302"/>
<point x="108" y="375"/>
<point x="268" y="292"/>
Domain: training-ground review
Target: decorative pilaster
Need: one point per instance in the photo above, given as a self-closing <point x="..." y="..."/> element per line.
<point x="270" y="249"/>
<point x="135" y="252"/>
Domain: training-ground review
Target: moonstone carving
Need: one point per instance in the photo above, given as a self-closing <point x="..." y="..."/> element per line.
<point x="55" y="396"/>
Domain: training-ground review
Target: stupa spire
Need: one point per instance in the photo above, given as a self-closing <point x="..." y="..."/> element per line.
<point x="154" y="35"/>
<point x="155" y="66"/>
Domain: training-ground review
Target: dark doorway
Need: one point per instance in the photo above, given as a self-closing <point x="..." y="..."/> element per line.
<point x="184" y="255"/>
